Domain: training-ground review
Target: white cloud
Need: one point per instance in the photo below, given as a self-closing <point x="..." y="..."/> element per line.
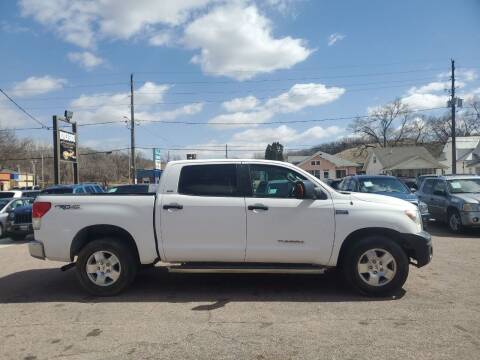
<point x="299" y="97"/>
<point x="285" y="134"/>
<point x="236" y="41"/>
<point x="241" y="104"/>
<point x="148" y="100"/>
<point x="83" y="22"/>
<point x="161" y="38"/>
<point x="37" y="85"/>
<point x="10" y="116"/>
<point x="85" y="59"/>
<point x="335" y="37"/>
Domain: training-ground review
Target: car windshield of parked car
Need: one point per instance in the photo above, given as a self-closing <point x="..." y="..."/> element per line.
<point x="462" y="186"/>
<point x="3" y="203"/>
<point x="6" y="194"/>
<point x="378" y="185"/>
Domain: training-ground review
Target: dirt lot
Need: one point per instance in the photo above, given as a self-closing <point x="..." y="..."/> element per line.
<point x="45" y="315"/>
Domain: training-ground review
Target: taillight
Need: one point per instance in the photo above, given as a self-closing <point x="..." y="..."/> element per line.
<point x="39" y="209"/>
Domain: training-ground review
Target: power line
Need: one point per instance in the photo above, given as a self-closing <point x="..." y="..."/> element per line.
<point x="23" y="110"/>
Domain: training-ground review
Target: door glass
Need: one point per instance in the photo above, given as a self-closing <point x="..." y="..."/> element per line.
<point x="208" y="180"/>
<point x="273" y="181"/>
<point x="427" y="186"/>
<point x="439" y="187"/>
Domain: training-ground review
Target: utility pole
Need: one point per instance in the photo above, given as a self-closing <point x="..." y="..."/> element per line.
<point x="133" y="169"/>
<point x="453" y="105"/>
<point x="226" y="151"/>
<point x="43" y="180"/>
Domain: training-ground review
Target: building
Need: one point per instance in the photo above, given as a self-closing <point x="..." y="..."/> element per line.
<point x="473" y="165"/>
<point x="467" y="149"/>
<point x="404" y="161"/>
<point x="324" y="166"/>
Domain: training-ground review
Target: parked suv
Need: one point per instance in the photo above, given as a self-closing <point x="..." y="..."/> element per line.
<point x="384" y="185"/>
<point x="453" y="199"/>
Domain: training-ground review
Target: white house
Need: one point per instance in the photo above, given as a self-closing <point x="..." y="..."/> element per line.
<point x="405" y="161"/>
<point x="466" y="146"/>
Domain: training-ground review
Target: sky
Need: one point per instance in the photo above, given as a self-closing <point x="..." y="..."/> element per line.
<point x="242" y="72"/>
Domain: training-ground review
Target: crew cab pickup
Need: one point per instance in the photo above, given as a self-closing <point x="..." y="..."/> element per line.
<point x="232" y="216"/>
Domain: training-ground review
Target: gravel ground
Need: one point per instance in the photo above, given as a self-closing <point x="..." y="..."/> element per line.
<point x="45" y="315"/>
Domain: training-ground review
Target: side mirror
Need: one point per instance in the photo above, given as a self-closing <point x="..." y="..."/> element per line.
<point x="307" y="190"/>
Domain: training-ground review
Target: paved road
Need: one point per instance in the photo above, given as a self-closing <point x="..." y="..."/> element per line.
<point x="44" y="314"/>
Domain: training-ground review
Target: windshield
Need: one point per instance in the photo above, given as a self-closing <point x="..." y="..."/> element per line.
<point x="458" y="186"/>
<point x="377" y="185"/>
<point x="3" y="202"/>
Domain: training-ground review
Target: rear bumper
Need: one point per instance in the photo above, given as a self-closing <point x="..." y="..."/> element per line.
<point x="36" y="249"/>
<point x="419" y="247"/>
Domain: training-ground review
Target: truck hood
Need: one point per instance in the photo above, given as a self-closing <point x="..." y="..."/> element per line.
<point x="404" y="196"/>
<point x="381" y="199"/>
<point x="473" y="198"/>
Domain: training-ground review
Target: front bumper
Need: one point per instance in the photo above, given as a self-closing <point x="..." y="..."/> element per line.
<point x="419" y="247"/>
<point x="36" y="249"/>
<point x="20" y="229"/>
<point x="470" y="218"/>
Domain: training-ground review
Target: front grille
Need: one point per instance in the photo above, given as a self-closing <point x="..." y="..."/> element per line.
<point x="23" y="218"/>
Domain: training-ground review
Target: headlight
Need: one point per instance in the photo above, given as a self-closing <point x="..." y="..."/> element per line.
<point x="422" y="207"/>
<point x="471" y="207"/>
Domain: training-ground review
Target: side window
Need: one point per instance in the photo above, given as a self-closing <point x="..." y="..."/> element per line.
<point x="427" y="187"/>
<point x="351" y="185"/>
<point x="439" y="186"/>
<point x="79" y="190"/>
<point x="90" y="189"/>
<point x="208" y="180"/>
<point x="344" y="184"/>
<point x="273" y="181"/>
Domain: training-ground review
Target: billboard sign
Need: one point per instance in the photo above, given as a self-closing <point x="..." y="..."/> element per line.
<point x="68" y="146"/>
<point x="157" y="160"/>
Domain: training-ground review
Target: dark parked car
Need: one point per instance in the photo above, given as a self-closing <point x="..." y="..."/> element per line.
<point x="19" y="221"/>
<point x="384" y="185"/>
<point x="85" y="188"/>
<point x="454" y="199"/>
<point x="334" y="183"/>
<point x="7" y="206"/>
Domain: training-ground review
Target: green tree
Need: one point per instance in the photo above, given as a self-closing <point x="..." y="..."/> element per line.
<point x="274" y="151"/>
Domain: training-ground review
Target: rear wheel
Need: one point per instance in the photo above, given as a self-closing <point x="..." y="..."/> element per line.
<point x="105" y="267"/>
<point x="455" y="222"/>
<point x="376" y="266"/>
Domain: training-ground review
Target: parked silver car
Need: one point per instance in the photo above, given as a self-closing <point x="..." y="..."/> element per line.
<point x="454" y="199"/>
<point x="7" y="206"/>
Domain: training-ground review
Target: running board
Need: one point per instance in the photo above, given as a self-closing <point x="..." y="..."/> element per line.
<point x="247" y="269"/>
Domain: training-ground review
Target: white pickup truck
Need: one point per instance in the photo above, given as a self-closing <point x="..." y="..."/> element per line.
<point x="232" y="216"/>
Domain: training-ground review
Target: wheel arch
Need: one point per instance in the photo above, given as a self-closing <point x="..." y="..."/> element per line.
<point x="94" y="232"/>
<point x="364" y="232"/>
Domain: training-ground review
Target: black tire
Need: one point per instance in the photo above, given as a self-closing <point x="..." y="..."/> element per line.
<point x="17" y="237"/>
<point x="2" y="232"/>
<point x="454" y="222"/>
<point x="127" y="264"/>
<point x="359" y="281"/>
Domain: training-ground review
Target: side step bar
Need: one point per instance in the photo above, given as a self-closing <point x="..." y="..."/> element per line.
<point x="247" y="268"/>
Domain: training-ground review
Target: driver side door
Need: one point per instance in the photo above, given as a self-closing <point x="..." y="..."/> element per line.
<point x="281" y="228"/>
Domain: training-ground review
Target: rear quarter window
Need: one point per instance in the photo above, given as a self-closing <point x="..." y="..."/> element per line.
<point x="208" y="180"/>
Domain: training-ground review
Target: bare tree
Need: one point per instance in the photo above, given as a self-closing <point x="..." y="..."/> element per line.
<point x="385" y="126"/>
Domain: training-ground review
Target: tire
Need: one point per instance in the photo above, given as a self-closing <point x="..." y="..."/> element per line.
<point x="454" y="222"/>
<point x="17" y="237"/>
<point x="367" y="270"/>
<point x="2" y="234"/>
<point x="110" y="262"/>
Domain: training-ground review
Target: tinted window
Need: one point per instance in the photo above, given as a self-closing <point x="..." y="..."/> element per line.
<point x="79" y="190"/>
<point x="6" y="194"/>
<point x="3" y="203"/>
<point x="439" y="185"/>
<point x="427" y="187"/>
<point x="58" y="191"/>
<point x="208" y="180"/>
<point x="273" y="181"/>
<point x="89" y="189"/>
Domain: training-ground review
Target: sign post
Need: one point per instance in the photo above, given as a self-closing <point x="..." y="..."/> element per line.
<point x="64" y="146"/>
<point x="157" y="160"/>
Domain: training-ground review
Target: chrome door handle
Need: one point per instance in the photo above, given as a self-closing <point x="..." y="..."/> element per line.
<point x="173" y="206"/>
<point x="257" y="207"/>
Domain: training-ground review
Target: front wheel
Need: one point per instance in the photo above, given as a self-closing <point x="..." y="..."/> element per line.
<point x="105" y="267"/>
<point x="455" y="222"/>
<point x="376" y="266"/>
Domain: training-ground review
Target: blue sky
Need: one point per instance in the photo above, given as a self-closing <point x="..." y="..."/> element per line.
<point x="237" y="67"/>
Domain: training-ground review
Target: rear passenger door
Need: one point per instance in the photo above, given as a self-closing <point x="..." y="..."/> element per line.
<point x="202" y="217"/>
